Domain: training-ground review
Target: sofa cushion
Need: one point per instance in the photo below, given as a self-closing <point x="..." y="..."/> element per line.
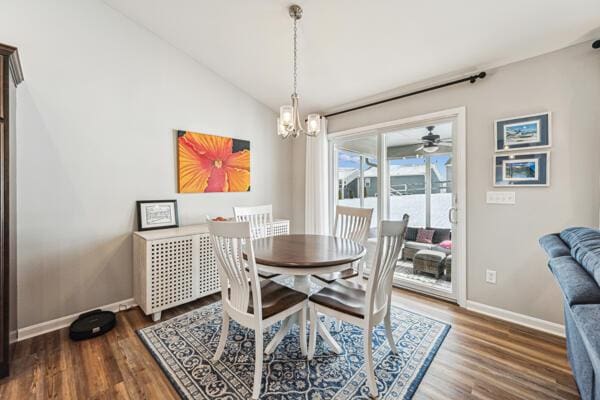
<point x="577" y="285"/>
<point x="425" y="235"/>
<point x="554" y="246"/>
<point x="586" y="317"/>
<point x="419" y="246"/>
<point x="585" y="248"/>
<point x="441" y="234"/>
<point x="411" y="234"/>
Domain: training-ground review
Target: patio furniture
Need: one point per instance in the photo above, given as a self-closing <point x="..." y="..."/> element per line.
<point x="429" y="261"/>
<point x="448" y="268"/>
<point x="364" y="308"/>
<point x="351" y="223"/>
<point x="252" y="303"/>
<point x="412" y="247"/>
<point x="261" y="226"/>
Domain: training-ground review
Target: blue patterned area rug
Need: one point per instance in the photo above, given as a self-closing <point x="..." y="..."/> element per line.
<point x="183" y="347"/>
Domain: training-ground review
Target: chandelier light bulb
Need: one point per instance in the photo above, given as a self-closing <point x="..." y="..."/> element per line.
<point x="313" y="123"/>
<point x="281" y="129"/>
<point x="286" y="114"/>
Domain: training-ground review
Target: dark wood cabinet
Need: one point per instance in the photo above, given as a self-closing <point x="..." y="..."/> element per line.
<point x="10" y="76"/>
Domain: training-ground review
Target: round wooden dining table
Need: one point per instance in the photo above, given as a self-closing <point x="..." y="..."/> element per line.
<point x="302" y="256"/>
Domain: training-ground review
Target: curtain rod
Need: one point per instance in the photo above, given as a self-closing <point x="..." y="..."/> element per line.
<point x="471" y="79"/>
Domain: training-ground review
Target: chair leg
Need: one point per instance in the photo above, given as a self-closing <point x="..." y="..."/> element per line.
<point x="338" y="325"/>
<point x="258" y="363"/>
<point x="388" y="331"/>
<point x="223" y="338"/>
<point x="371" y="380"/>
<point x="361" y="269"/>
<point x="313" y="331"/>
<point x="303" y="331"/>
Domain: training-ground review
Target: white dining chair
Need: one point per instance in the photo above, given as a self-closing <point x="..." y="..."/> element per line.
<point x="351" y="223"/>
<point x="364" y="306"/>
<point x="254" y="304"/>
<point x="260" y="218"/>
<point x="261" y="226"/>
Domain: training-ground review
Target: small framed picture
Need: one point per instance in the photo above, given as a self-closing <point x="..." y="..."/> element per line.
<point x="157" y="214"/>
<point x="527" y="169"/>
<point x="522" y="133"/>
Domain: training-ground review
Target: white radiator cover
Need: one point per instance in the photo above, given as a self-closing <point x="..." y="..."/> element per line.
<point x="176" y="266"/>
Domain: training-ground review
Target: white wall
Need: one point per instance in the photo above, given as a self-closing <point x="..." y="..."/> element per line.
<point x="504" y="238"/>
<point x="96" y="115"/>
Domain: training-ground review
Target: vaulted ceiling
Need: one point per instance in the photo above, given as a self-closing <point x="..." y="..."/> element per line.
<point x="355" y="49"/>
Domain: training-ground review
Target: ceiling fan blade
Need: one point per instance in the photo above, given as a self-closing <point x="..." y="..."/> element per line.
<point x="420" y="148"/>
<point x="444" y="144"/>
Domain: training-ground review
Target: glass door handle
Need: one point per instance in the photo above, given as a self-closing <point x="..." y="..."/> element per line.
<point x="451" y="213"/>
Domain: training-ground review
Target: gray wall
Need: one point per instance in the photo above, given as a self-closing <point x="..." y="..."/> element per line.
<point x="504" y="238"/>
<point x="96" y="115"/>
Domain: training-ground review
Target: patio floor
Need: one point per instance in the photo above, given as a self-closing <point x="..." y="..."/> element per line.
<point x="404" y="270"/>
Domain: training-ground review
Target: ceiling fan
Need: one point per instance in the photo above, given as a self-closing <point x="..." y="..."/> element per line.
<point x="432" y="142"/>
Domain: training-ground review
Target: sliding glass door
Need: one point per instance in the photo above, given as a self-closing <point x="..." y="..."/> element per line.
<point x="405" y="169"/>
<point x="419" y="171"/>
<point x="356" y="172"/>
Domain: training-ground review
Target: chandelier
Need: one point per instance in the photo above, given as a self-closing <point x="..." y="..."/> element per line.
<point x="289" y="122"/>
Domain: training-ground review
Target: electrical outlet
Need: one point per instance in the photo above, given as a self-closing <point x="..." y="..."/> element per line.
<point x="501" y="197"/>
<point x="490" y="276"/>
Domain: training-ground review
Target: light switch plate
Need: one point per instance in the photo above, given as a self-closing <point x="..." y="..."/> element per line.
<point x="501" y="197"/>
<point x="490" y="276"/>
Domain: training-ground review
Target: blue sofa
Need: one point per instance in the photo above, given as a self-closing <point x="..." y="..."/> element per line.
<point x="575" y="263"/>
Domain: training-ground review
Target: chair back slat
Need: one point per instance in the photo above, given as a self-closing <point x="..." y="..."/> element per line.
<point x="353" y="223"/>
<point x="259" y="217"/>
<point x="389" y="244"/>
<point x="238" y="277"/>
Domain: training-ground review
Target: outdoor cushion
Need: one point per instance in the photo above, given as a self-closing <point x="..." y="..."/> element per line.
<point x="418" y="246"/>
<point x="441" y="234"/>
<point x="425" y="235"/>
<point x="585" y="248"/>
<point x="446" y="244"/>
<point x="411" y="234"/>
<point x="430" y="255"/>
<point x="577" y="285"/>
<point x="554" y="246"/>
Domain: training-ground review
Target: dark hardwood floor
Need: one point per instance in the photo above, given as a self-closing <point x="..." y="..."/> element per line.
<point x="482" y="358"/>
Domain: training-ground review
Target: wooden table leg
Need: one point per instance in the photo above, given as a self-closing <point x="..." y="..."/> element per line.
<point x="302" y="284"/>
<point x="286" y="325"/>
<point x="322" y="329"/>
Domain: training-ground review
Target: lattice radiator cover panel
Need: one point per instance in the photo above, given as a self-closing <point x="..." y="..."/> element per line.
<point x="169" y="271"/>
<point x="208" y="277"/>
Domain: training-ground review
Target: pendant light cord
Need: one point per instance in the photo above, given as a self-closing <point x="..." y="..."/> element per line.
<point x="295" y="54"/>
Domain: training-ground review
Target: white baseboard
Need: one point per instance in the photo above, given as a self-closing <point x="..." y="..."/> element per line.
<point x="516" y="318"/>
<point x="62" y="322"/>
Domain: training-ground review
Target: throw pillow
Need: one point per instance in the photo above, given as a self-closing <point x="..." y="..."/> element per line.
<point x="425" y="235"/>
<point x="446" y="244"/>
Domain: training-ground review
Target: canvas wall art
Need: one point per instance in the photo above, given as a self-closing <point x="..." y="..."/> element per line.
<point x="527" y="169"/>
<point x="209" y="163"/>
<point x="523" y="133"/>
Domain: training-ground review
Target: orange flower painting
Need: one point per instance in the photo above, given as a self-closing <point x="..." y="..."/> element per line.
<point x="209" y="163"/>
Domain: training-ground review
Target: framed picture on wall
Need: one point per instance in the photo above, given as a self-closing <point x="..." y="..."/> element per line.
<point x="157" y="214"/>
<point x="523" y="133"/>
<point x="525" y="169"/>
